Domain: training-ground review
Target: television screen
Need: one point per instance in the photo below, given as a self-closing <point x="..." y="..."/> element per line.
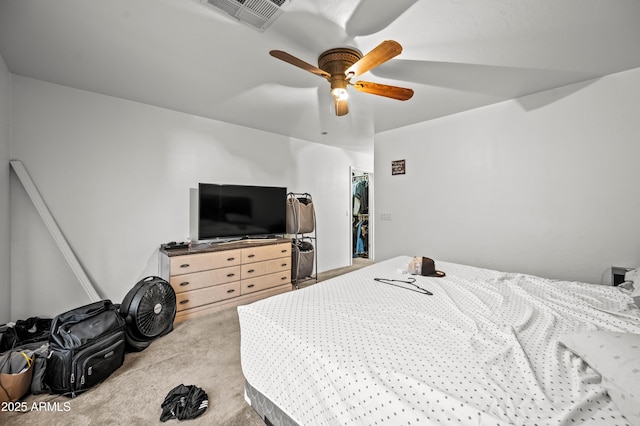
<point x="240" y="211"/>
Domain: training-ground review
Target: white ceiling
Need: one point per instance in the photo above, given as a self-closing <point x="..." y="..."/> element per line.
<point x="187" y="56"/>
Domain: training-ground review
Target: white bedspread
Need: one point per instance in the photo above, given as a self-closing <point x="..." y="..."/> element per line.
<point x="483" y="350"/>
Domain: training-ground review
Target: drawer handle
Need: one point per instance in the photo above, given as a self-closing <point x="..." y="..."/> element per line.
<point x="182" y="302"/>
<point x="284" y="264"/>
<point x="284" y="251"/>
<point x="184" y="283"/>
<point x="230" y="275"/>
<point x="185" y="265"/>
<point x="251" y="255"/>
<point x="251" y="271"/>
<point x="251" y="286"/>
<point x="229" y="259"/>
<point x="230" y="291"/>
<point x="284" y="278"/>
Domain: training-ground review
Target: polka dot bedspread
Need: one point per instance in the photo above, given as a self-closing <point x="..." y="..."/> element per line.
<point x="482" y="350"/>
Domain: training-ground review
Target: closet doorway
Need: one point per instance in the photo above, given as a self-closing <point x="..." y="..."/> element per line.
<point x="361" y="209"/>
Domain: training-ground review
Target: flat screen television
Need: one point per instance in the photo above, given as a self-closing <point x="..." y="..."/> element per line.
<point x="236" y="211"/>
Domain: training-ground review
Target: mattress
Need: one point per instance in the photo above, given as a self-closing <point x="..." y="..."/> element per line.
<point x="483" y="349"/>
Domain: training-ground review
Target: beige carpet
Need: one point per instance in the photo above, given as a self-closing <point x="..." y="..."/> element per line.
<point x="204" y="352"/>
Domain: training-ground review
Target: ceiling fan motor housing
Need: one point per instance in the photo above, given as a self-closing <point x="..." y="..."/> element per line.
<point x="337" y="61"/>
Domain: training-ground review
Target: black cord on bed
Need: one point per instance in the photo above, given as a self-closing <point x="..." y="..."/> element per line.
<point x="391" y="281"/>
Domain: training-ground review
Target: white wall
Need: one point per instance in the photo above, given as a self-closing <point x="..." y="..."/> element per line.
<point x="5" y="246"/>
<point x="117" y="175"/>
<point x="547" y="184"/>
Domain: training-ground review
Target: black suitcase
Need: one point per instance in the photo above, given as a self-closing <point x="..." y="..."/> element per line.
<point x="86" y="345"/>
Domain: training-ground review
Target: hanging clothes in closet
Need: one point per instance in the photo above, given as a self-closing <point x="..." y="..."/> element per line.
<point x="360" y="191"/>
<point x="360" y="225"/>
<point x="361" y="238"/>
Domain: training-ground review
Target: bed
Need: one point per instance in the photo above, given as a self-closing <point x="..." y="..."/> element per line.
<point x="487" y="348"/>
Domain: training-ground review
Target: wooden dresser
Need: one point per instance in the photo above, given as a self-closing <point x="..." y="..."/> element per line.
<point x="211" y="277"/>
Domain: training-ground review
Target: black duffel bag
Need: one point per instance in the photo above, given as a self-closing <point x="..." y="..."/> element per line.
<point x="86" y="345"/>
<point x="24" y="332"/>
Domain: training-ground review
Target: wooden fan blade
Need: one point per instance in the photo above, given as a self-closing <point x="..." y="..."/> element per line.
<point x="284" y="56"/>
<point x="379" y="55"/>
<point x="394" y="92"/>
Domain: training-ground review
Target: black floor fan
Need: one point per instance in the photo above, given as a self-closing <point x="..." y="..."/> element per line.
<point x="149" y="309"/>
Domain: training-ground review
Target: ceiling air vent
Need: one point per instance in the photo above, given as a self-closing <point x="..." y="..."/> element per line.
<point x="258" y="14"/>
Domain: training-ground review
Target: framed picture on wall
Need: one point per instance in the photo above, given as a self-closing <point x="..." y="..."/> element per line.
<point x="398" y="167"/>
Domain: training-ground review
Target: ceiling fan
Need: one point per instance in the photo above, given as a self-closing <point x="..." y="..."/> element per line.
<point x="342" y="64"/>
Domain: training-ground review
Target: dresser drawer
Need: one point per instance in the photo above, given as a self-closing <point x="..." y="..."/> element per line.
<point x="266" y="267"/>
<point x="258" y="254"/>
<point x="196" y="280"/>
<point x="201" y="262"/>
<point x="250" y="285"/>
<point x="204" y="296"/>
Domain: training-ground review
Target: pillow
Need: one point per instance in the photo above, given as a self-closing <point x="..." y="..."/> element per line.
<point x="616" y="357"/>
<point x="633" y="276"/>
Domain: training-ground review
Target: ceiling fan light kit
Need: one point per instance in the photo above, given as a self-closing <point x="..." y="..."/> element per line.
<point x="340" y="65"/>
